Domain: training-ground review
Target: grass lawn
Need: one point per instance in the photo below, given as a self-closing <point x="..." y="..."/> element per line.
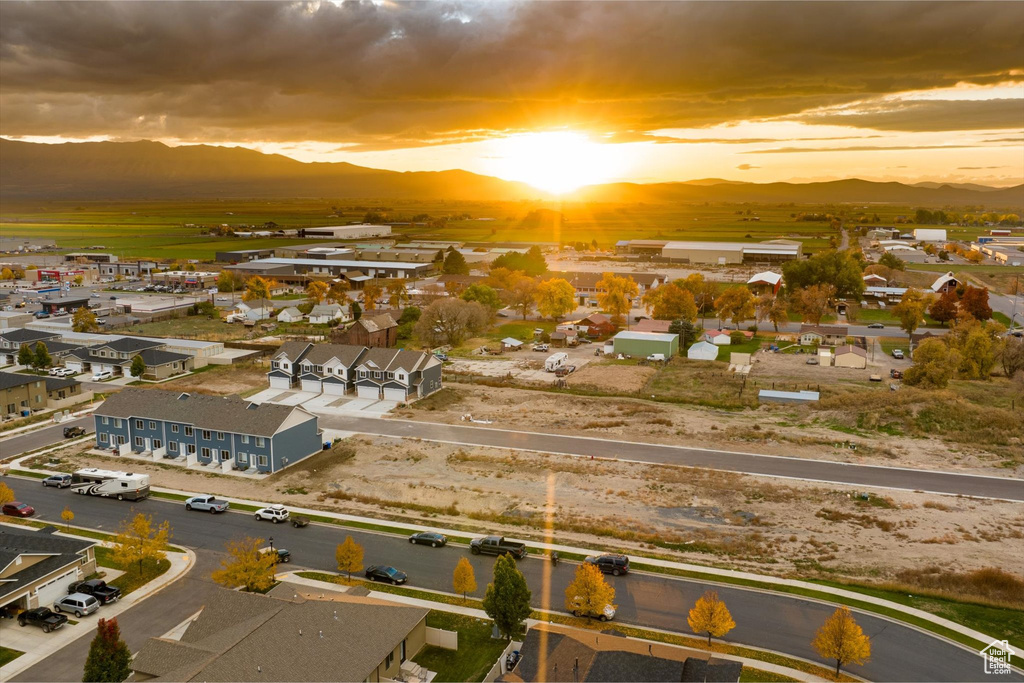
<point x="890" y="343"/>
<point x="522" y="330"/>
<point x="477" y="651"/>
<point x="700" y="382"/>
<point x="192" y="326"/>
<point x="7" y="655"/>
<point x="132" y="579"/>
<point x="1001" y="318"/>
<point x="886" y="317"/>
<point x="758" y="676"/>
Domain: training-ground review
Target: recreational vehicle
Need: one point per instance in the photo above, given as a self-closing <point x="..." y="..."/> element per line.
<point x="110" y="484"/>
<point x="555" y="361"/>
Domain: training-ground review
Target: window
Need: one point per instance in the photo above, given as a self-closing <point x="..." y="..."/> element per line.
<point x="206" y="452"/>
<point x="190" y="448"/>
<point x="245" y="438"/>
<point x="261" y="460"/>
<point x="188" y="431"/>
<point x="206" y="434"/>
<point x="389" y="660"/>
<point x="243" y="458"/>
<point x="174" y="429"/>
<point x="138" y="441"/>
<point x="389" y="375"/>
<point x="319" y="368"/>
<point x="220" y="436"/>
<point x="104" y="420"/>
<point x="376" y="374"/>
<point x="259" y="442"/>
<point x="120" y="440"/>
<point x="172" y="446"/>
<point x="157" y="443"/>
<point x="117" y="423"/>
<point x="138" y="424"/>
<point x="103" y="438"/>
<point x="152" y="424"/>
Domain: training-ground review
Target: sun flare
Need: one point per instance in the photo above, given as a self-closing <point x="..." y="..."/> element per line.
<point x="557" y="162"/>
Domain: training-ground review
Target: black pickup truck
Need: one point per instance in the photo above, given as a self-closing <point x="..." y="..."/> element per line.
<point x="497" y="545"/>
<point x="42" y="617"/>
<point x="97" y="589"/>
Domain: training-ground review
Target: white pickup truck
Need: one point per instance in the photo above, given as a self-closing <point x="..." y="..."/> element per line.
<point x="206" y="504"/>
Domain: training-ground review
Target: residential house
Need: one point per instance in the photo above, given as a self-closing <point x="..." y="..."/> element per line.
<point x="561" y="337"/>
<point x="848" y="356"/>
<point x="944" y="283"/>
<point x="290" y="315"/>
<point x="255" y="310"/>
<point x="831" y="335"/>
<point x="765" y="283"/>
<point x="702" y="350"/>
<point x="585" y="283"/>
<point x="373" y="329"/>
<point x="118" y="354"/>
<point x="323" y="314"/>
<point x="596" y="325"/>
<point x="724" y="337"/>
<point x="207" y="429"/>
<point x="37" y="566"/>
<point x="11" y="341"/>
<point x="329" y="368"/>
<point x="34" y="393"/>
<point x="284" y="364"/>
<point x="397" y="374"/>
<point x="652" y="325"/>
<point x="292" y="634"/>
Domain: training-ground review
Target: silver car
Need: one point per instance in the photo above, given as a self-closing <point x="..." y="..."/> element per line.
<point x="78" y="604"/>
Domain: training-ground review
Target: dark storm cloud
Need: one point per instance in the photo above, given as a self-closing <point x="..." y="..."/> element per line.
<point x="928" y="115"/>
<point x="391" y="75"/>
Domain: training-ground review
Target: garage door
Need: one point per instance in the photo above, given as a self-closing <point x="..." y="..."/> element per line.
<point x="394" y="394"/>
<point x="312" y="385"/>
<point x="334" y="389"/>
<point x="280" y="383"/>
<point x="364" y="391"/>
<point x="76" y="367"/>
<point x="48" y="593"/>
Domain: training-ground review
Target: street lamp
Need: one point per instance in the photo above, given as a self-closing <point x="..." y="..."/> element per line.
<point x="271" y="544"/>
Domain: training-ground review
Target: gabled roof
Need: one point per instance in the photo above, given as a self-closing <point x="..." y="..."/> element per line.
<point x="325" y="309"/>
<point x="595" y="319"/>
<point x="849" y="348"/>
<point x="21" y="336"/>
<point x="220" y="413"/>
<point x="9" y="380"/>
<point x="377" y="323"/>
<point x="154" y="357"/>
<point x="14" y="542"/>
<point x="942" y="280"/>
<point x="256" y="303"/>
<point x="652" y="325"/>
<point x="55" y="383"/>
<point x="292" y="350"/>
<point x="825" y="330"/>
<point x="388" y="360"/>
<point x="131" y="344"/>
<point x="320" y="354"/>
<point x="767" y="277"/>
<point x="510" y="341"/>
<point x="291" y="311"/>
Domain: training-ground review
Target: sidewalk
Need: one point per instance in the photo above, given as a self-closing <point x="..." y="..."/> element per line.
<point x="38" y="646"/>
<point x="530" y="623"/>
<point x="17" y="431"/>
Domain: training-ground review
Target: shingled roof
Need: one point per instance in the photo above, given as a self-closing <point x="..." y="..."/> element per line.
<point x="377" y="323"/>
<point x="220" y="413"/>
<point x="61" y="550"/>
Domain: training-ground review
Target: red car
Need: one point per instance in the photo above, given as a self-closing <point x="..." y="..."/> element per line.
<point x="16" y="509"/>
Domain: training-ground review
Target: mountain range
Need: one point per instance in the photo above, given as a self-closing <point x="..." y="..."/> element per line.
<point x="153" y="170"/>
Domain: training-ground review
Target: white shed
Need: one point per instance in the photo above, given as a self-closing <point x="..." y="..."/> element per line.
<point x="290" y="315"/>
<point x="702" y="350"/>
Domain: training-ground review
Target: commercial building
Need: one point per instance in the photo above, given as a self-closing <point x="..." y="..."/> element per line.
<point x="730" y="253"/>
<point x="348" y="232"/>
<point x="640" y="247"/>
<point x="206" y="429"/>
<point x="644" y="344"/>
<point x="243" y="255"/>
<point x="304" y="269"/>
<point x="185" y="279"/>
<point x="930" y="234"/>
<point x="37" y="566"/>
<point x="68" y="304"/>
<point x="126" y="269"/>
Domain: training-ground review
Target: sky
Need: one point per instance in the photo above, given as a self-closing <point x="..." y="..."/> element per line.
<point x="554" y="94"/>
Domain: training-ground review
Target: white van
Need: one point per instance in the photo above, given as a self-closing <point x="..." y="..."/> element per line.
<point x="555" y="361"/>
<point x="102" y="375"/>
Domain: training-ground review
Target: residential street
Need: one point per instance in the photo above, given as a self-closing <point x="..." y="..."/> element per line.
<point x="43" y="437"/>
<point x="772" y="621"/>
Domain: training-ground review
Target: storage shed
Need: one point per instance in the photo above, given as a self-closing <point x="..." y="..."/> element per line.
<point x="849" y="356"/>
<point x="772" y="396"/>
<point x="702" y="350"/>
<point x="645" y="343"/>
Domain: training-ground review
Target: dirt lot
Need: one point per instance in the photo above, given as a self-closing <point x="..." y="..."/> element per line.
<point x="241" y="378"/>
<point x="523" y="366"/>
<point x="734" y="520"/>
<point x="794" y="431"/>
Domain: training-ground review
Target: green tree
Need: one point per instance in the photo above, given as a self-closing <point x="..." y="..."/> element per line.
<point x="484" y="295"/>
<point x="890" y="260"/>
<point x="42" y="357"/>
<point x="933" y="366"/>
<point x="841" y="269"/>
<point x="507" y="600"/>
<point x="686" y="330"/>
<point x="532" y="263"/>
<point x="226" y="281"/>
<point x="357" y="310"/>
<point x="109" y="659"/>
<point x="455" y="264"/>
<point x="84" y="320"/>
<point x="977" y="347"/>
<point x="25" y="356"/>
<point x="138" y="368"/>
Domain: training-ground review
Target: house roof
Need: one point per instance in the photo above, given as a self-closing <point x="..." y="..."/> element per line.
<point x="941" y="281"/>
<point x="325" y="309"/>
<point x="320" y="354"/>
<point x="302" y="637"/>
<point x="767" y="277"/>
<point x="293" y="350"/>
<point x="292" y="311"/>
<point x="646" y="336"/>
<point x="55" y="383"/>
<point x="728" y="333"/>
<point x="221" y="413"/>
<point x="825" y="330"/>
<point x="849" y="348"/>
<point x="377" y="323"/>
<point x="14" y="542"/>
<point x="509" y="341"/>
<point x="702" y="350"/>
<point x="9" y="380"/>
<point x="587" y="279"/>
<point x="131" y="344"/>
<point x="652" y="325"/>
<point x="21" y="336"/>
<point x="391" y="359"/>
<point x="256" y="303"/>
<point x="154" y="357"/>
<point x="874" y="276"/>
<point x="595" y="319"/>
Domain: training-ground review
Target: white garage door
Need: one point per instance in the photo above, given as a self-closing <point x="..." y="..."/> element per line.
<point x="394" y="394"/>
<point x="312" y="385"/>
<point x="333" y="389"/>
<point x="48" y="593"/>
<point x="280" y="383"/>
<point x="71" y="365"/>
<point x="363" y="391"/>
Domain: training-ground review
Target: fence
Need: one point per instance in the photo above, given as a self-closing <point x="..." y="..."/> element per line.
<point x="499" y="666"/>
<point x="449" y="640"/>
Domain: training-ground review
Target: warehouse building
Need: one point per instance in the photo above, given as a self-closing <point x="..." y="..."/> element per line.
<point x="730" y="253"/>
<point x="303" y="269"/>
<point x="349" y="232"/>
<point x="644" y="344"/>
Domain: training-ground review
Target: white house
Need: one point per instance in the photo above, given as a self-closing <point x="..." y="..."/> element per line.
<point x="257" y="309"/>
<point x="702" y="350"/>
<point x="290" y="315"/>
<point x="724" y="337"/>
<point x="325" y="313"/>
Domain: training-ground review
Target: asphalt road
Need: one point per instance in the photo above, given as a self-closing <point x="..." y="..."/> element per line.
<point x="768" y="465"/>
<point x="40" y="438"/>
<point x="777" y="622"/>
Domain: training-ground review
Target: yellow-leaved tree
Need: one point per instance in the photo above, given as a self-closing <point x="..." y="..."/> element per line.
<point x="372" y="291"/>
<point x="615" y="294"/>
<point x="710" y="615"/>
<point x="349" y="556"/>
<point x="555" y="298"/>
<point x="463" y="578"/>
<point x="841" y="639"/>
<point x="6" y="494"/>
<point x="139" y="540"/>
<point x="246" y="566"/>
<point x="67" y="516"/>
<point x="589" y="594"/>
<point x="256" y="288"/>
<point x="316" y="291"/>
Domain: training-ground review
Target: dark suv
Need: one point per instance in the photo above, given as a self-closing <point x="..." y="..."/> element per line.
<point x="610" y="564"/>
<point x="97" y="589"/>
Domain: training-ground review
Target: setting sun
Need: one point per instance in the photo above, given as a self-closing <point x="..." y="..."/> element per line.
<point x="558" y="162"/>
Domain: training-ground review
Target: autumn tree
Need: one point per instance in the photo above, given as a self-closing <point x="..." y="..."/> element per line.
<point x="463" y="578"/>
<point x="42" y="357"/>
<point x="338" y="293"/>
<point x="256" y="288"/>
<point x="139" y="540"/>
<point x="842" y="639"/>
<point x="704" y="292"/>
<point x="67" y="516"/>
<point x="372" y="291"/>
<point x="779" y="313"/>
<point x="109" y="659"/>
<point x="6" y="273"/>
<point x="974" y="303"/>
<point x="6" y="494"/>
<point x="735" y="304"/>
<point x="910" y="310"/>
<point x="1012" y="356"/>
<point x="451" y="321"/>
<point x="615" y="294"/>
<point x="398" y="295"/>
<point x="522" y="295"/>
<point x="316" y="291"/>
<point x="814" y="302"/>
<point x="710" y="615"/>
<point x="671" y="301"/>
<point x="944" y="308"/>
<point x="84" y="320"/>
<point x="349" y="556"/>
<point x="977" y="347"/>
<point x="934" y="365"/>
<point x="507" y="600"/>
<point x="227" y="281"/>
<point x="138" y="368"/>
<point x="588" y="593"/>
<point x="503" y="278"/>
<point x="841" y="269"/>
<point x="246" y="566"/>
<point x="555" y="298"/>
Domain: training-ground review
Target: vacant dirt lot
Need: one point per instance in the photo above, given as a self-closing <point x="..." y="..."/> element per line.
<point x="695" y="515"/>
<point x="222" y="379"/>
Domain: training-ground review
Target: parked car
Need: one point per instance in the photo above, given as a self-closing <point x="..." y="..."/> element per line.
<point x="206" y="504"/>
<point x="97" y="589"/>
<point x="497" y="545"/>
<point x="380" y="572"/>
<point x="39" y="315"/>
<point x="282" y="554"/>
<point x="43" y="617"/>
<point x="897" y="353"/>
<point x="606" y="614"/>
<point x="79" y="604"/>
<point x="16" y="509"/>
<point x="656" y="357"/>
<point x="61" y="372"/>
<point x="73" y="432"/>
<point x="61" y="481"/>
<point x="102" y="375"/>
<point x="610" y="563"/>
<point x="441" y="356"/>
<point x="298" y="521"/>
<point x="540" y="347"/>
<point x="275" y="513"/>
<point x="876" y="326"/>
<point x="813" y="360"/>
<point x="565" y="370"/>
<point x="431" y="538"/>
